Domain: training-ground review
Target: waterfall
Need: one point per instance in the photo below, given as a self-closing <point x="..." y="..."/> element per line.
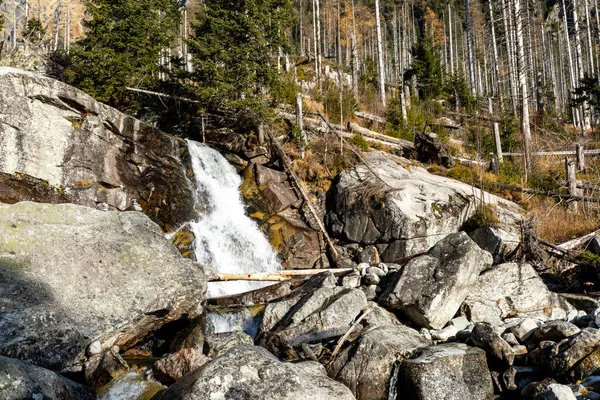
<point x="227" y="240"/>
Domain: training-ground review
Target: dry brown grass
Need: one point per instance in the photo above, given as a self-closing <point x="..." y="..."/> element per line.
<point x="555" y="223"/>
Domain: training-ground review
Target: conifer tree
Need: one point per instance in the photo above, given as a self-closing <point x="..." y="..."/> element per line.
<point x="123" y="43"/>
<point x="235" y="45"/>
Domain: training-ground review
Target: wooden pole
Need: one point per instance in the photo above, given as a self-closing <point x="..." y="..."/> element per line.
<point x="498" y="142"/>
<point x="299" y="119"/>
<point x="580" y="157"/>
<point x="279" y="275"/>
<point x="572" y="181"/>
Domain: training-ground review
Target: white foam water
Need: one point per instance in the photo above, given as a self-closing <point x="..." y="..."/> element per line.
<point x="227" y="240"/>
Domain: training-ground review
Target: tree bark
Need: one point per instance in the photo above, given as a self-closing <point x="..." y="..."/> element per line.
<point x="380" y="54"/>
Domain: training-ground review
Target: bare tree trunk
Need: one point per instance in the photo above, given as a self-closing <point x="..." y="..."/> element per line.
<point x="315" y="41"/>
<point x="354" y="55"/>
<point x="497" y="88"/>
<point x="451" y="47"/>
<point x="572" y="77"/>
<point x="510" y="55"/>
<point x="470" y="50"/>
<point x="585" y="120"/>
<point x="522" y="68"/>
<point x="588" y="27"/>
<point x="380" y="54"/>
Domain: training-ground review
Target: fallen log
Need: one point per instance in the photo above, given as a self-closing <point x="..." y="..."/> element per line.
<point x="367" y="133"/>
<point x="545" y="193"/>
<point x="370" y="117"/>
<point x="573" y="244"/>
<point x="279" y="275"/>
<point x="296" y="182"/>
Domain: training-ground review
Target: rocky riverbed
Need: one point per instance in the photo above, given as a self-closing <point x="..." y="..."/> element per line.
<point x="96" y="302"/>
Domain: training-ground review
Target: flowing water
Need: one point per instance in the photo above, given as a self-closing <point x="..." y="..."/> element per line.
<point x="227" y="240"/>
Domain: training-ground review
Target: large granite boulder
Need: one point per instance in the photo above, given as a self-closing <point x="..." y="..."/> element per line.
<point x="20" y="381"/>
<point x="71" y="148"/>
<point x="508" y="290"/>
<point x="366" y="365"/>
<point x="252" y="373"/>
<point x="319" y="307"/>
<point x="452" y="371"/>
<point x="430" y="288"/>
<point x="72" y="274"/>
<point x="407" y="214"/>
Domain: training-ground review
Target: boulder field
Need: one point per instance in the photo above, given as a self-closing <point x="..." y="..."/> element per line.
<point x="95" y="301"/>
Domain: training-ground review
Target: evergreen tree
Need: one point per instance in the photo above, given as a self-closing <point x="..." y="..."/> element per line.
<point x="34" y="31"/>
<point x="427" y="68"/>
<point x="124" y="39"/>
<point x="235" y="45"/>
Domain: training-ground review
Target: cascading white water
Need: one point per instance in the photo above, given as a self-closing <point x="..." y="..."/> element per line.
<point x="227" y="240"/>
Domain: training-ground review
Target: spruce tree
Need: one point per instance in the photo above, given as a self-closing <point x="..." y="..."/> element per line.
<point x="124" y="39"/>
<point x="235" y="45"/>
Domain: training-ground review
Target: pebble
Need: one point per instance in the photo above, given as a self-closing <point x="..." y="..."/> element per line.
<point x="524" y="329"/>
<point x="371" y="279"/>
<point x="94" y="348"/>
<point x="444" y="334"/>
<point x="510" y="338"/>
<point x="460" y="323"/>
<point x="377" y="271"/>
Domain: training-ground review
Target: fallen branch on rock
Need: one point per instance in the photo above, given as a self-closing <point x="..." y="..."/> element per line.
<point x="279" y="276"/>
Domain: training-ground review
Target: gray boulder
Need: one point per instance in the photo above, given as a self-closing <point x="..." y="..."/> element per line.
<point x="483" y="336"/>
<point x="20" y="381"/>
<point x="407" y="214"/>
<point x="60" y="145"/>
<point x="511" y="289"/>
<point x="577" y="357"/>
<point x="430" y="288"/>
<point x="556" y="331"/>
<point x="500" y="240"/>
<point x="317" y="310"/>
<point x="452" y="371"/>
<point x="72" y="274"/>
<point x="430" y="149"/>
<point x="366" y="366"/>
<point x="252" y="373"/>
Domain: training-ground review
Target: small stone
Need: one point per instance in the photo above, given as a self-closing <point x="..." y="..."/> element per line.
<point x="393" y="267"/>
<point x="172" y="367"/>
<point x="377" y="271"/>
<point x="483" y="336"/>
<point x="572" y="315"/>
<point x="370" y="291"/>
<point x="383" y="267"/>
<point x="351" y="280"/>
<point x="460" y="323"/>
<point x="426" y="333"/>
<point x="520" y="350"/>
<point x="556" y="391"/>
<point x="524" y="329"/>
<point x="94" y="348"/>
<point x="510" y="338"/>
<point x="362" y="267"/>
<point x="444" y="334"/>
<point x="371" y="279"/>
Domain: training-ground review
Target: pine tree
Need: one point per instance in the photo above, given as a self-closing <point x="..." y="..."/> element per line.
<point x="34" y="31"/>
<point x="123" y="43"/>
<point x="235" y="45"/>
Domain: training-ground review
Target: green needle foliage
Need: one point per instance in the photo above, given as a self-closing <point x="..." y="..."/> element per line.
<point x="121" y="48"/>
<point x="34" y="31"/>
<point x="235" y="47"/>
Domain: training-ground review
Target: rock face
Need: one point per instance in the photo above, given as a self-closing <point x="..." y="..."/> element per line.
<point x="173" y="366"/>
<point x="250" y="372"/>
<point x="71" y="148"/>
<point x="430" y="289"/>
<point x="448" y="371"/>
<point x="366" y="366"/>
<point x="408" y="214"/>
<point x="19" y="380"/>
<point x="506" y="290"/>
<point x="71" y="274"/>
